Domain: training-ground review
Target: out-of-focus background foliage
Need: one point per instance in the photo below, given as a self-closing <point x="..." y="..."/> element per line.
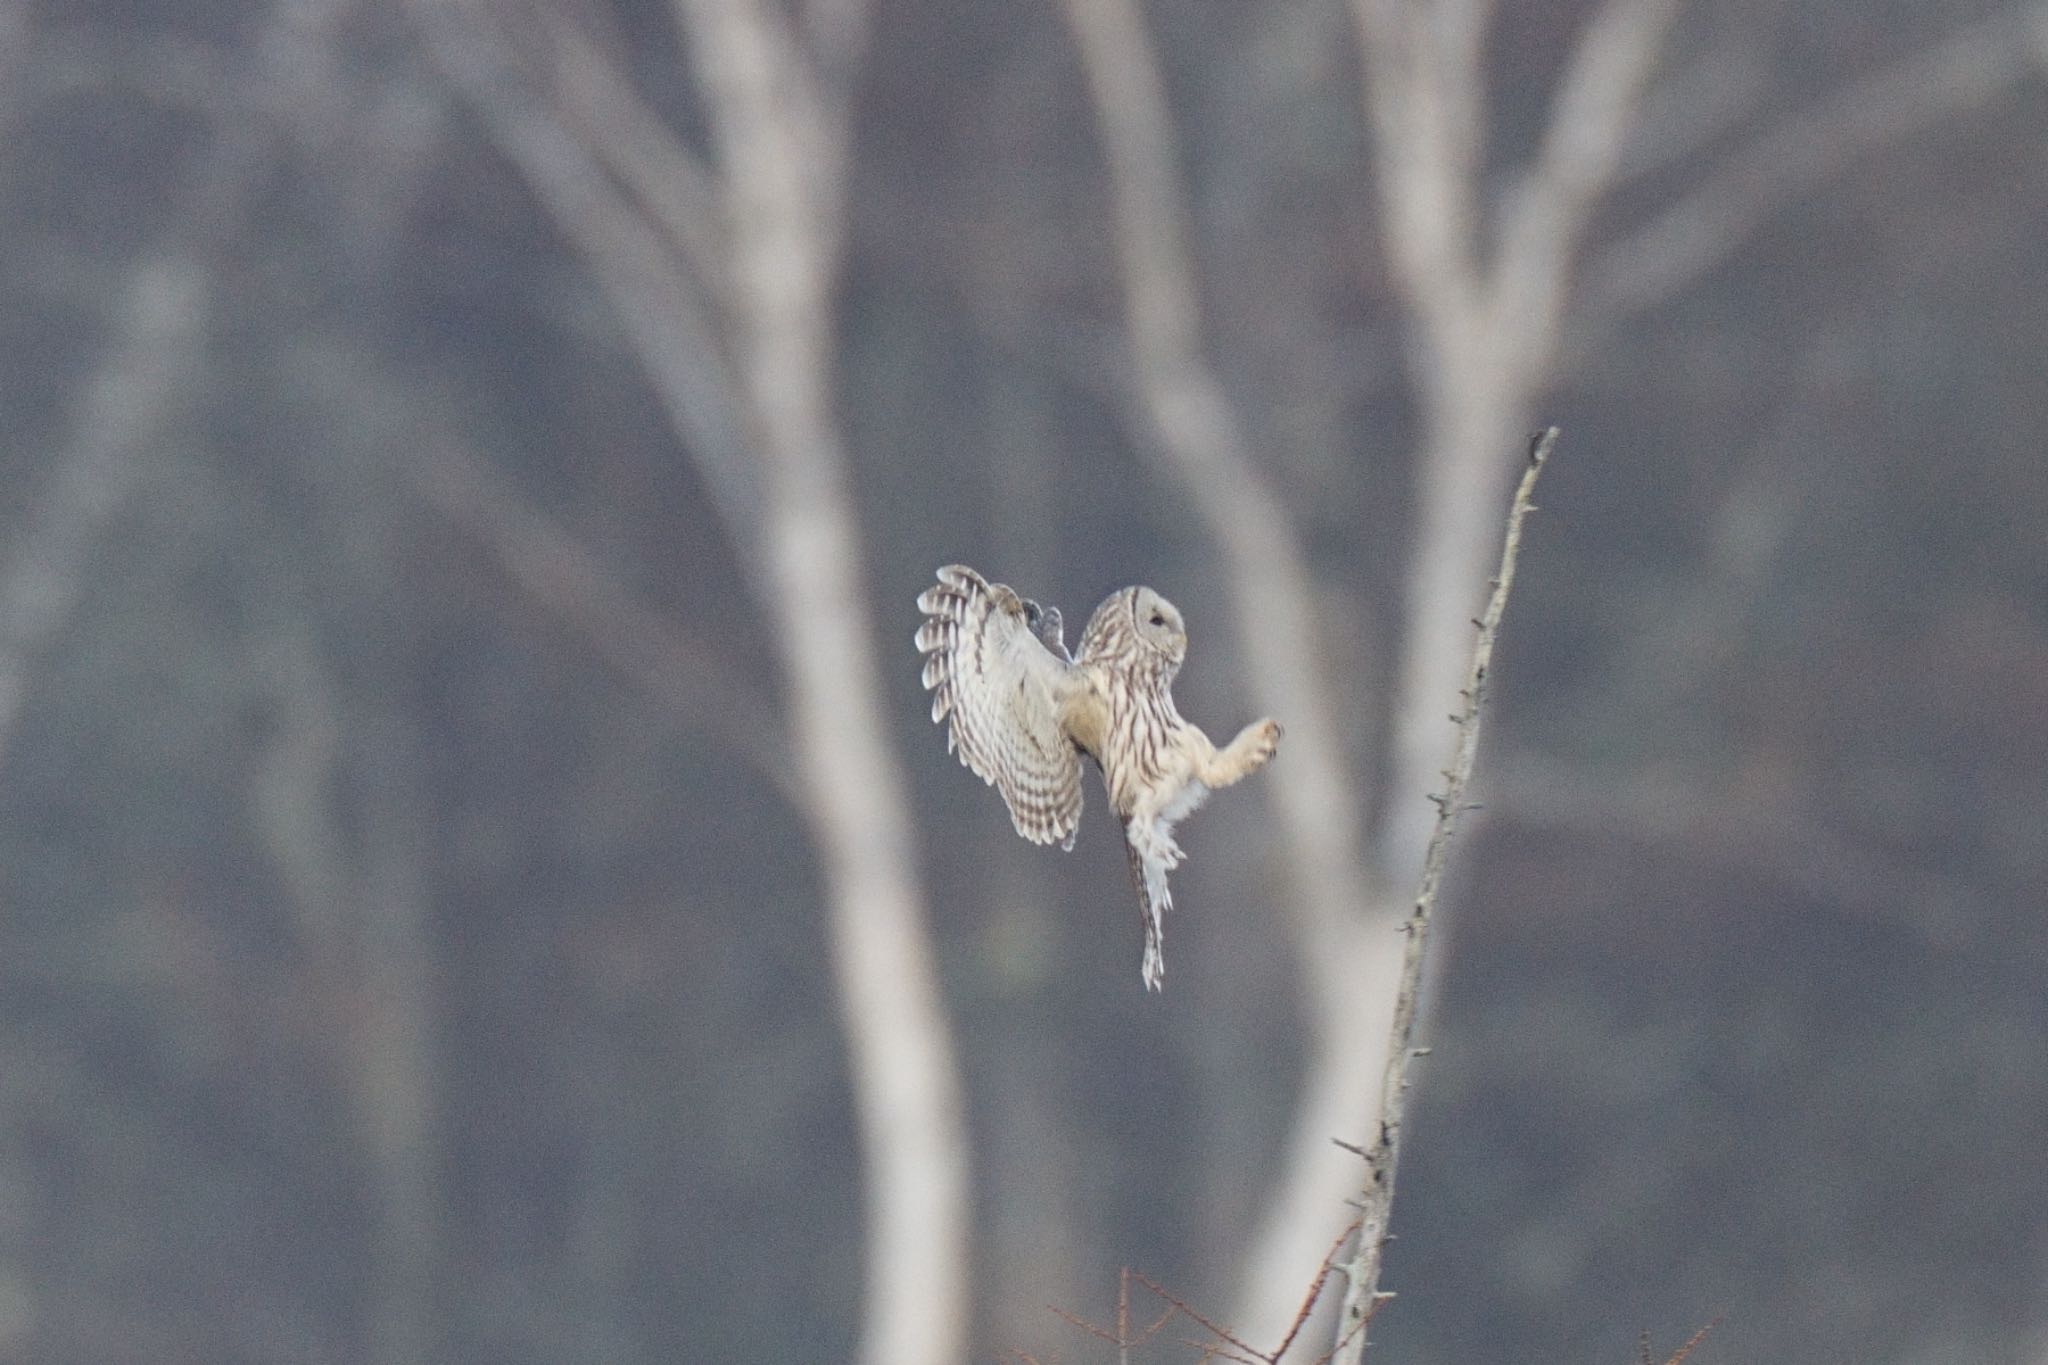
<point x="391" y="971"/>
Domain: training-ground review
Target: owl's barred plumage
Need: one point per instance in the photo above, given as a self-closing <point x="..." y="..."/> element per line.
<point x="999" y="686"/>
<point x="1020" y="713"/>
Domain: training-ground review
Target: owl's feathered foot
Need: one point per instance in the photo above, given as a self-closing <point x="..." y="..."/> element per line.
<point x="1252" y="750"/>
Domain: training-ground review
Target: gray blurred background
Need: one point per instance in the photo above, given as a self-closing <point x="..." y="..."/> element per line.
<point x="416" y="922"/>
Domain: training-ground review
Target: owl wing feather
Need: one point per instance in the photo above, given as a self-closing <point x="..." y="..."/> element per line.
<point x="1000" y="691"/>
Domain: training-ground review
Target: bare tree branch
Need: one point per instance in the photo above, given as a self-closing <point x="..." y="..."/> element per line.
<point x="660" y="656"/>
<point x="397" y="1041"/>
<point x="1583" y="141"/>
<point x="1698" y="816"/>
<point x="665" y="315"/>
<point x="149" y="367"/>
<point x="646" y="156"/>
<point x="1382" y="1157"/>
<point x="1731" y="203"/>
<point x="159" y="348"/>
<point x="293" y="783"/>
<point x="363" y="904"/>
<point x="1426" y="115"/>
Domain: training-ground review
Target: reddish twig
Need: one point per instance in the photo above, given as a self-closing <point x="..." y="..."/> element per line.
<point x="1090" y="1328"/>
<point x="1223" y="1344"/>
<point x="1690" y="1345"/>
<point x="1223" y="1334"/>
<point x="1315" y="1290"/>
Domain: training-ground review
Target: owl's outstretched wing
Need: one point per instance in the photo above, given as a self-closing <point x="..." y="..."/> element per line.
<point x="993" y="679"/>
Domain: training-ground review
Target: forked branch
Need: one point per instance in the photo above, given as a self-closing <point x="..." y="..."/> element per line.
<point x="1221" y="1342"/>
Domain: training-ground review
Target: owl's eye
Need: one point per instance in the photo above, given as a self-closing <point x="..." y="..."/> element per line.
<point x="1157" y="619"/>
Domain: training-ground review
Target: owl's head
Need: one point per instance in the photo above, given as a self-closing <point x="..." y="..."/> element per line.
<point x="1157" y="623"/>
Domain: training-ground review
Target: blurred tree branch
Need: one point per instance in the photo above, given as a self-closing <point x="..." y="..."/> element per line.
<point x="1485" y="314"/>
<point x="672" y="325"/>
<point x="659" y="654"/>
<point x="146" y="375"/>
<point x="1732" y="200"/>
<point x="157" y="357"/>
<point x="611" y="122"/>
<point x="255" y="102"/>
<point x="1189" y="423"/>
<point x="363" y="907"/>
<point x="1698" y="816"/>
<point x="1488" y="313"/>
<point x="735" y="325"/>
<point x="1485" y="322"/>
<point x="783" y="165"/>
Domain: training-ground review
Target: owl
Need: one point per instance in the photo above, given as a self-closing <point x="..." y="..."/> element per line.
<point x="1021" y="712"/>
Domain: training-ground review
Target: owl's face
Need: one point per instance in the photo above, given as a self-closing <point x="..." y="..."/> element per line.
<point x="1157" y="623"/>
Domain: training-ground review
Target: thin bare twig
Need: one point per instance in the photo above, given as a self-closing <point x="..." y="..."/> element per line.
<point x="1315" y="1290"/>
<point x="1123" y="1316"/>
<point x="1692" y="1343"/>
<point x="1223" y="1344"/>
<point x="1121" y="1338"/>
<point x="644" y="153"/>
<point x="1221" y="1333"/>
<point x="1384" y="1151"/>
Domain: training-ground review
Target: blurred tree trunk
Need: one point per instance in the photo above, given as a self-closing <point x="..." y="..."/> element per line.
<point x="724" y="273"/>
<point x="1488" y="290"/>
<point x="362" y="910"/>
<point x="783" y="181"/>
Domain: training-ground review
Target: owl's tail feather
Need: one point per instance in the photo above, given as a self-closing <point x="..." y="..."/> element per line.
<point x="1148" y="874"/>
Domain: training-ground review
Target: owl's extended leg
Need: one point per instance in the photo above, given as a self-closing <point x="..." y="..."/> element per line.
<point x="1243" y="756"/>
<point x="1149" y="864"/>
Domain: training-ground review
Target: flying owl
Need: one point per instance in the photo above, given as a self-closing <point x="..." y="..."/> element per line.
<point x="1022" y="712"/>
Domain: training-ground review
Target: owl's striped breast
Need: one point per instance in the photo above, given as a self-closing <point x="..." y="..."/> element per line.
<point x="1143" y="745"/>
